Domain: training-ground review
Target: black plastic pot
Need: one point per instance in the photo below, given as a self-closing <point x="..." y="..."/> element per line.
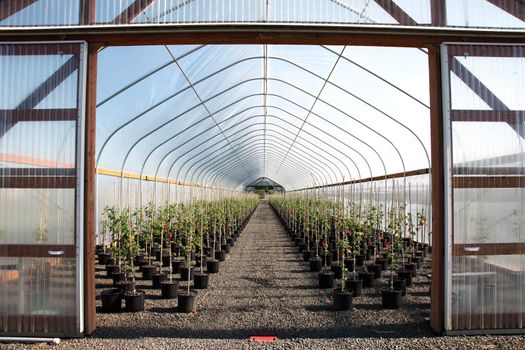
<point x="225" y="248"/>
<point x="416" y="260"/>
<point x="406" y="275"/>
<point x="134" y="301"/>
<point x="176" y="265"/>
<point x="231" y="242"/>
<point x="200" y="280"/>
<point x="110" y="269"/>
<point x="315" y="264"/>
<point x="337" y="269"/>
<point x="391" y="298"/>
<point x="349" y="264"/>
<point x="103" y="257"/>
<point x="359" y="260"/>
<point x="368" y="279"/>
<point x="111" y="300"/>
<point x="383" y="262"/>
<point x="187" y="303"/>
<point x="154" y="251"/>
<point x="402" y="285"/>
<point x="212" y="266"/>
<point x="335" y="256"/>
<point x="298" y="241"/>
<point x="110" y="261"/>
<point x="166" y="261"/>
<point x="411" y="267"/>
<point x="307" y="255"/>
<point x="356" y="285"/>
<point x="118" y="277"/>
<point x="376" y="269"/>
<point x="184" y="273"/>
<point x="125" y="286"/>
<point x="147" y="272"/>
<point x="157" y="255"/>
<point x="302" y="246"/>
<point x="342" y="300"/>
<point x="220" y="255"/>
<point x="327" y="259"/>
<point x="326" y="279"/>
<point x="168" y="290"/>
<point x="157" y="278"/>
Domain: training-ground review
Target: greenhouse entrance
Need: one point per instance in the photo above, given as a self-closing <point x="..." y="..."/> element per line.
<point x="138" y="159"/>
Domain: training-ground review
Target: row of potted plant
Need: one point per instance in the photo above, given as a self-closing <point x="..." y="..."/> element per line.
<point x="354" y="242"/>
<point x="188" y="239"/>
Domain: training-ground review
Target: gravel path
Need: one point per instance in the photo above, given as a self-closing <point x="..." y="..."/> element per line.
<point x="264" y="288"/>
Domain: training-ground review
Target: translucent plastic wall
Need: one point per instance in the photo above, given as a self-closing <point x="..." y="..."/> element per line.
<point x="467" y="13"/>
<point x="40" y="193"/>
<point x="484" y="87"/>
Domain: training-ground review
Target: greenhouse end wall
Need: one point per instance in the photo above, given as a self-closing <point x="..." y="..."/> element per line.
<point x="41" y="191"/>
<point x="484" y="132"/>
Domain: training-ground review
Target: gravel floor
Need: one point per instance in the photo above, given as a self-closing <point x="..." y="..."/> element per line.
<point x="264" y="288"/>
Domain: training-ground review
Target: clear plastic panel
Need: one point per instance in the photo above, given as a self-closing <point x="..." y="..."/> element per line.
<point x="482" y="13"/>
<point x="29" y="13"/>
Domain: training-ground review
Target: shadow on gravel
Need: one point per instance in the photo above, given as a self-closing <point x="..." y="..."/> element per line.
<point x="381" y="331"/>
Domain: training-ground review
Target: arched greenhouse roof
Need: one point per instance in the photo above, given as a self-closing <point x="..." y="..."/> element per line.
<point x="226" y="115"/>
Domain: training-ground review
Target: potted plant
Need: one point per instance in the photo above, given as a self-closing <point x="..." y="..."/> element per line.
<point x="391" y="296"/>
<point x="342" y="295"/>
<point x="201" y="277"/>
<point x="187" y="297"/>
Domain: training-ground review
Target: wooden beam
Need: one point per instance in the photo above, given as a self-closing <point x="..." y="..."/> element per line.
<point x="38" y="49"/>
<point x="37" y="251"/>
<point x="177" y="34"/>
<point x="438" y="10"/>
<point x="396" y="12"/>
<point x="133" y="11"/>
<point x="10" y="7"/>
<point x="488" y="182"/>
<point x="89" y="191"/>
<point x="517" y="248"/>
<point x="486" y="51"/>
<point x="29" y="182"/>
<point x="88" y="12"/>
<point x="479" y="170"/>
<point x="437" y="298"/>
<point x="504" y="116"/>
<point x="33" y="161"/>
<point x="29" y="172"/>
<point x="19" y="115"/>
<point x="514" y="7"/>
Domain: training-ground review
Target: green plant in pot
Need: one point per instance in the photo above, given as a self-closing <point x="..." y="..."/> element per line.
<point x="187" y="297"/>
<point x="391" y="296"/>
<point x="343" y="295"/>
<point x="200" y="276"/>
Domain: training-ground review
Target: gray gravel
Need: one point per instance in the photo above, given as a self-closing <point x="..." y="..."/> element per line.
<point x="264" y="288"/>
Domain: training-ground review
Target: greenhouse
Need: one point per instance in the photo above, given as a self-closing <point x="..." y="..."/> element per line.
<point x="319" y="171"/>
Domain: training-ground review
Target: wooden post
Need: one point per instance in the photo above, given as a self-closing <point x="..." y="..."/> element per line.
<point x="89" y="191"/>
<point x="438" y="10"/>
<point x="438" y="190"/>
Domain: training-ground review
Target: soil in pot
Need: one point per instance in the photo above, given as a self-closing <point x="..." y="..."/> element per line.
<point x="111" y="300"/>
<point x="200" y="280"/>
<point x="307" y="255"/>
<point x="411" y="267"/>
<point x="326" y="279"/>
<point x="157" y="278"/>
<point x="355" y="285"/>
<point x="187" y="303"/>
<point x="391" y="298"/>
<point x="147" y="272"/>
<point x="368" y="279"/>
<point x="220" y="255"/>
<point x="212" y="266"/>
<point x="169" y="289"/>
<point x="315" y="264"/>
<point x="337" y="269"/>
<point x="406" y="275"/>
<point x="376" y="269"/>
<point x="184" y="273"/>
<point x="134" y="301"/>
<point x="401" y="285"/>
<point x="342" y="299"/>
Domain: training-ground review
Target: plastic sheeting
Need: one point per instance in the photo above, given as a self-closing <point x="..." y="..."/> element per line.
<point x="460" y="13"/>
<point x="226" y="115"/>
